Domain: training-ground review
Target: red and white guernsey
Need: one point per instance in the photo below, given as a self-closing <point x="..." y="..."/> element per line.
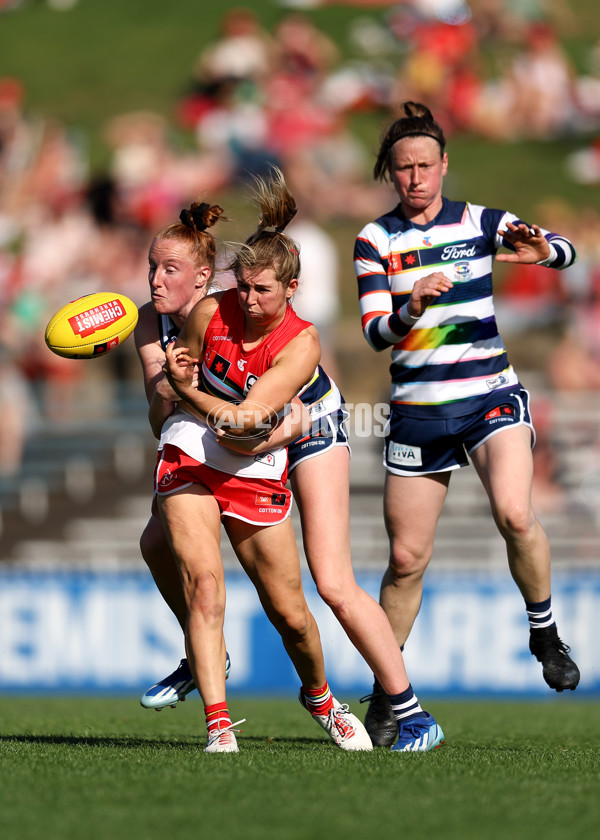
<point x="228" y="372"/>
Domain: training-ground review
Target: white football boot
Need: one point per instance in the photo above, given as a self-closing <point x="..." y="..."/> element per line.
<point x="345" y="729"/>
<point x="223" y="740"/>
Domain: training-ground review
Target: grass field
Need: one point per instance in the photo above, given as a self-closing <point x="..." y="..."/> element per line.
<point x="104" y="768"/>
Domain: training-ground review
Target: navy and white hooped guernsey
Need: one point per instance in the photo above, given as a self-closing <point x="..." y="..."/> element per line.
<point x="453" y="356"/>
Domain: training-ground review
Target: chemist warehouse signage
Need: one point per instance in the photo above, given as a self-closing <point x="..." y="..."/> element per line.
<point x="89" y="632"/>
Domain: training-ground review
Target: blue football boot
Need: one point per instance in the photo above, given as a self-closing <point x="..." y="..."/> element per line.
<point x="174" y="688"/>
<point x="420" y="734"/>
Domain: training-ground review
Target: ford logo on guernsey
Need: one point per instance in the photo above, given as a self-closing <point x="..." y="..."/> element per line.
<point x="458" y="252"/>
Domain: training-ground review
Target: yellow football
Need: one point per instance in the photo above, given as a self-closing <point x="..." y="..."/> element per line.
<point x="91" y="326"/>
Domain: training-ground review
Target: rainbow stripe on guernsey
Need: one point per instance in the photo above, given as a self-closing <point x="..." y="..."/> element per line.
<point x="453" y="356"/>
<point x="220" y="386"/>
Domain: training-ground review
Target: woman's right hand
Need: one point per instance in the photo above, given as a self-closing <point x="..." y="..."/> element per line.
<point x="426" y="290"/>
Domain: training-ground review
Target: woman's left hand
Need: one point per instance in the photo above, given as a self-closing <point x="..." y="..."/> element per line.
<point x="530" y="244"/>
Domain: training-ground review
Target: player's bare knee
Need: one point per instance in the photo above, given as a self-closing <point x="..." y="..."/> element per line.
<point x="331" y="592"/>
<point x="293" y="626"/>
<point x="404" y="562"/>
<point x="205" y="596"/>
<point x="516" y="522"/>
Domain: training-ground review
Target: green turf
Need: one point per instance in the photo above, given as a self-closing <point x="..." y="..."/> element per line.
<point x="105" y="768"/>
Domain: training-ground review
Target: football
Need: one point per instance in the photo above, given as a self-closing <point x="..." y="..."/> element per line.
<point x="91" y="326"/>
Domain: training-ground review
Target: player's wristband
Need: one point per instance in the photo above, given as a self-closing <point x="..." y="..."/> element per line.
<point x="550" y="259"/>
<point x="406" y="317"/>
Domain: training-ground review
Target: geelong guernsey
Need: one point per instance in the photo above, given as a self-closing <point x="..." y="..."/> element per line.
<point x="228" y="372"/>
<point x="452" y="357"/>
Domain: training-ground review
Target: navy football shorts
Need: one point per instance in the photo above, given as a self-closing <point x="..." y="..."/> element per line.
<point x="327" y="431"/>
<point x="415" y="446"/>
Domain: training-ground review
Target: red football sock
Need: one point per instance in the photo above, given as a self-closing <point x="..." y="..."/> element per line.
<point x="318" y="700"/>
<point x="217" y="716"/>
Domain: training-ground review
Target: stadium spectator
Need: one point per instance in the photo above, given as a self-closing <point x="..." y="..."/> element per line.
<point x="438" y="56"/>
<point x="318" y="298"/>
<point x="425" y="284"/>
<point x="17" y="413"/>
<point x="303" y="53"/>
<point x="573" y="362"/>
<point x="546" y="106"/>
<point x="224" y="107"/>
<point x="243" y="51"/>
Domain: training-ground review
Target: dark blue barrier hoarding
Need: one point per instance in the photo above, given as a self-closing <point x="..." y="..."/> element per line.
<point x="88" y="632"/>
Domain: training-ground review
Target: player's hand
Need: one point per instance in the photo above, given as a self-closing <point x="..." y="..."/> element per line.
<point x="426" y="290"/>
<point x="238" y="445"/>
<point x="180" y="369"/>
<point x="530" y="244"/>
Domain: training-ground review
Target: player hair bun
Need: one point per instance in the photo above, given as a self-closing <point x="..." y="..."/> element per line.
<point x="91" y="326"/>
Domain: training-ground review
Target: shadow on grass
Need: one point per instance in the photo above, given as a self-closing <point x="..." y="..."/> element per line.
<point x="136" y="743"/>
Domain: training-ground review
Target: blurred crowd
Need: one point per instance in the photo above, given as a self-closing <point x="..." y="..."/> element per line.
<point x="286" y="95"/>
